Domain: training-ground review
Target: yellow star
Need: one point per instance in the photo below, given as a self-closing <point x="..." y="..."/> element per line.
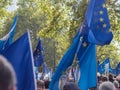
<point x="103" y="5"/>
<point x="104" y="25"/>
<point x="84" y="44"/>
<point x="101" y="12"/>
<point x="101" y="19"/>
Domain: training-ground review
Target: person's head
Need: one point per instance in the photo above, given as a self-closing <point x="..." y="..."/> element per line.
<point x="107" y="86"/>
<point x="7" y="75"/>
<point x="40" y="85"/>
<point x="116" y="83"/>
<point x="47" y="82"/>
<point x="70" y="86"/>
<point x="104" y="78"/>
<point x="111" y="78"/>
<point x="62" y="81"/>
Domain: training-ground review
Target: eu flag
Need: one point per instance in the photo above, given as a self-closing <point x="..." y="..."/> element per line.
<point x="118" y="69"/>
<point x="101" y="67"/>
<point x="65" y="62"/>
<point x="46" y="69"/>
<point x="98" y="23"/>
<point x="111" y="70"/>
<point x="7" y="39"/>
<point x="38" y="54"/>
<point x="20" y="56"/>
<point x="87" y="63"/>
<point x="82" y="46"/>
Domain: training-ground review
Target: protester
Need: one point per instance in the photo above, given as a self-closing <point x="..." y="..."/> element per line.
<point x="111" y="78"/>
<point x="118" y="79"/>
<point x="40" y="85"/>
<point x="70" y="79"/>
<point x="116" y="84"/>
<point x="70" y="86"/>
<point x="104" y="79"/>
<point x="47" y="82"/>
<point x="93" y="88"/>
<point x="107" y="86"/>
<point x="62" y="82"/>
<point x="7" y="75"/>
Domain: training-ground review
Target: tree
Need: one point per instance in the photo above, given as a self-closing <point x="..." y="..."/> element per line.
<point x="3" y="14"/>
<point x="49" y="20"/>
<point x="57" y="21"/>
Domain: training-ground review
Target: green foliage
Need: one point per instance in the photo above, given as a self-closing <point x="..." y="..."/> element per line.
<point x="47" y="19"/>
<point x="56" y="22"/>
<point x="3" y="14"/>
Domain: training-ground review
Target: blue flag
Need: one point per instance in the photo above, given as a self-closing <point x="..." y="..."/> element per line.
<point x="38" y="54"/>
<point x="87" y="64"/>
<point x="98" y="23"/>
<point x="101" y="67"/>
<point x="65" y="62"/>
<point x="46" y="69"/>
<point x="113" y="71"/>
<point x="118" y="69"/>
<point x="7" y="39"/>
<point x="98" y="63"/>
<point x="82" y="46"/>
<point x="47" y="72"/>
<point x="20" y="56"/>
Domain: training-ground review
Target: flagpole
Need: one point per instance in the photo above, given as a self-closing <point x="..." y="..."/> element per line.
<point x="30" y="45"/>
<point x="96" y="65"/>
<point x="54" y="56"/>
<point x="78" y="47"/>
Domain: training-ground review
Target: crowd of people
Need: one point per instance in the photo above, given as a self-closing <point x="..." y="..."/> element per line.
<point x="68" y="83"/>
<point x="109" y="82"/>
<point x="8" y="80"/>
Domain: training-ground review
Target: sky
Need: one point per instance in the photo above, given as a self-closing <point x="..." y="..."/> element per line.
<point x="12" y="7"/>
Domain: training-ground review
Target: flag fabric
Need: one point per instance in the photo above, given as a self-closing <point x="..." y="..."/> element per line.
<point x="118" y="69"/>
<point x="65" y="62"/>
<point x="20" y="56"/>
<point x="47" y="72"/>
<point x="115" y="71"/>
<point x="46" y="69"/>
<point x="38" y="54"/>
<point x="112" y="70"/>
<point x="101" y="67"/>
<point x="7" y="39"/>
<point x="87" y="63"/>
<point x="82" y="46"/>
<point x="36" y="73"/>
<point x="50" y="73"/>
<point x="98" y="22"/>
